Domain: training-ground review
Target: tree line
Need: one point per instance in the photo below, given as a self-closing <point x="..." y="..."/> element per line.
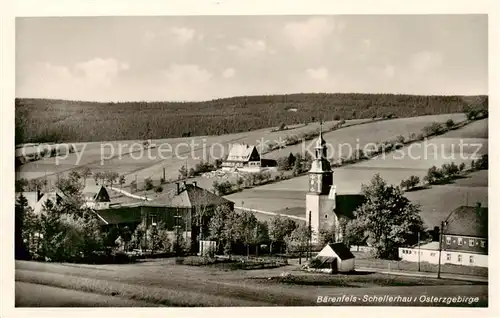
<point x="46" y="120"/>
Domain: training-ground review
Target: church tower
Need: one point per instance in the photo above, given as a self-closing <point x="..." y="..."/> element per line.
<point x="320" y="200"/>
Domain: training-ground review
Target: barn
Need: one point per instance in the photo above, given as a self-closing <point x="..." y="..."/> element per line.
<point x="333" y="258"/>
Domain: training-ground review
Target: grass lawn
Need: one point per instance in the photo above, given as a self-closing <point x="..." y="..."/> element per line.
<point x="364" y="260"/>
<point x="161" y="282"/>
<point x="34" y="295"/>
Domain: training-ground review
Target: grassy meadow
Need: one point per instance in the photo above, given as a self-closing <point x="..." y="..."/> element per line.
<point x="163" y="283"/>
<point x="288" y="197"/>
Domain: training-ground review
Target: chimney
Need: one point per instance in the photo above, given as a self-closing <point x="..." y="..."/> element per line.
<point x="178" y="187"/>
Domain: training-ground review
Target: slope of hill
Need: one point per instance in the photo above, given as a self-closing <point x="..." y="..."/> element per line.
<point x="288" y="197"/>
<point x="43" y="120"/>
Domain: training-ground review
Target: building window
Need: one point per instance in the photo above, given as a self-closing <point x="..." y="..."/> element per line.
<point x="483" y="243"/>
<point x="471" y="259"/>
<point x="460" y="241"/>
<point x="459" y="258"/>
<point x="433" y="254"/>
<point x="471" y="242"/>
<point x="448" y="257"/>
<point x="448" y="240"/>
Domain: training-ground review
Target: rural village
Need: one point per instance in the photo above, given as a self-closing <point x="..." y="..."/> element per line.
<point x="286" y="199"/>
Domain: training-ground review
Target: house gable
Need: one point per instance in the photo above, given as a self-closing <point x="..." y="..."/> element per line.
<point x="338" y="250"/>
<point x="254" y="155"/>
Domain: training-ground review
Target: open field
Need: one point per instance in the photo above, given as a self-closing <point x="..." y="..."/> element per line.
<point x="137" y="163"/>
<point x="161" y="282"/>
<point x="129" y="158"/>
<point x="288" y="197"/>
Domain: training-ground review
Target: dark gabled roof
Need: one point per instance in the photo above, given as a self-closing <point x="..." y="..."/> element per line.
<point x="120" y="215"/>
<point x="468" y="221"/>
<point x="341" y="250"/>
<point x="189" y="196"/>
<point x="91" y="190"/>
<point x="346" y="204"/>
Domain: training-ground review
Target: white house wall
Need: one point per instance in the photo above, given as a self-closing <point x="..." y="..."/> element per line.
<point x="346" y="265"/>
<point x="447" y="257"/>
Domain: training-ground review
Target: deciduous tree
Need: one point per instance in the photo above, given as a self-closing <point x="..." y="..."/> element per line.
<point x="388" y="218"/>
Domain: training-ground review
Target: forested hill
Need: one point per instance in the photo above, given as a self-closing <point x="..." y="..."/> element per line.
<point x="43" y="120"/>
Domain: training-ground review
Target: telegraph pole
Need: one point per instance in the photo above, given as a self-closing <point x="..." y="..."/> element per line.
<point x="419" y="250"/>
<point x="177" y="226"/>
<point x="440" y="248"/>
<point x="310" y="237"/>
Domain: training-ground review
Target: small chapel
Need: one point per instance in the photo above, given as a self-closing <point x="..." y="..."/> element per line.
<point x="325" y="209"/>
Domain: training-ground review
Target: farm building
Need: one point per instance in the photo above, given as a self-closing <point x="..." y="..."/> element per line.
<point x="333" y="258"/>
<point x="242" y="157"/>
<point x="464" y="240"/>
<point x="184" y="208"/>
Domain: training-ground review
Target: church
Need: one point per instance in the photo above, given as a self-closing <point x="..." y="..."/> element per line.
<point x="326" y="210"/>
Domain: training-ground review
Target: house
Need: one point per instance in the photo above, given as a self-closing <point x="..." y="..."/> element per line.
<point x="465" y="236"/>
<point x="242" y="157"/>
<point x="333" y="258"/>
<point x="182" y="208"/>
<point x="37" y="200"/>
<point x="96" y="197"/>
<point x="464" y="240"/>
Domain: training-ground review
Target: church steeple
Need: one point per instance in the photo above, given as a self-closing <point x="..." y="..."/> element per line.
<point x="320" y="162"/>
<point x="320" y="174"/>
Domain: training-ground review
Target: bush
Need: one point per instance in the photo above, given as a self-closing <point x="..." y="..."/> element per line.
<point x="450" y="123"/>
<point x="148" y="184"/>
<point x="461" y="167"/>
<point x="433" y="129"/>
<point x="410" y="183"/>
<point x="433" y="175"/>
<point x="222" y="188"/>
<point x="159" y="189"/>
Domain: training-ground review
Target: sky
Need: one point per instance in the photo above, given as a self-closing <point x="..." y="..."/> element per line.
<point x="193" y="58"/>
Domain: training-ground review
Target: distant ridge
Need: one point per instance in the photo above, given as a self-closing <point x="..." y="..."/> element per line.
<point x="51" y="120"/>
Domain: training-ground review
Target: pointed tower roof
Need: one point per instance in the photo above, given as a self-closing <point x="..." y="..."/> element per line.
<point x="320" y="142"/>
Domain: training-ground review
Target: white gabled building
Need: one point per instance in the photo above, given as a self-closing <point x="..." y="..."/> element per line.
<point x="242" y="157"/>
<point x="333" y="258"/>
